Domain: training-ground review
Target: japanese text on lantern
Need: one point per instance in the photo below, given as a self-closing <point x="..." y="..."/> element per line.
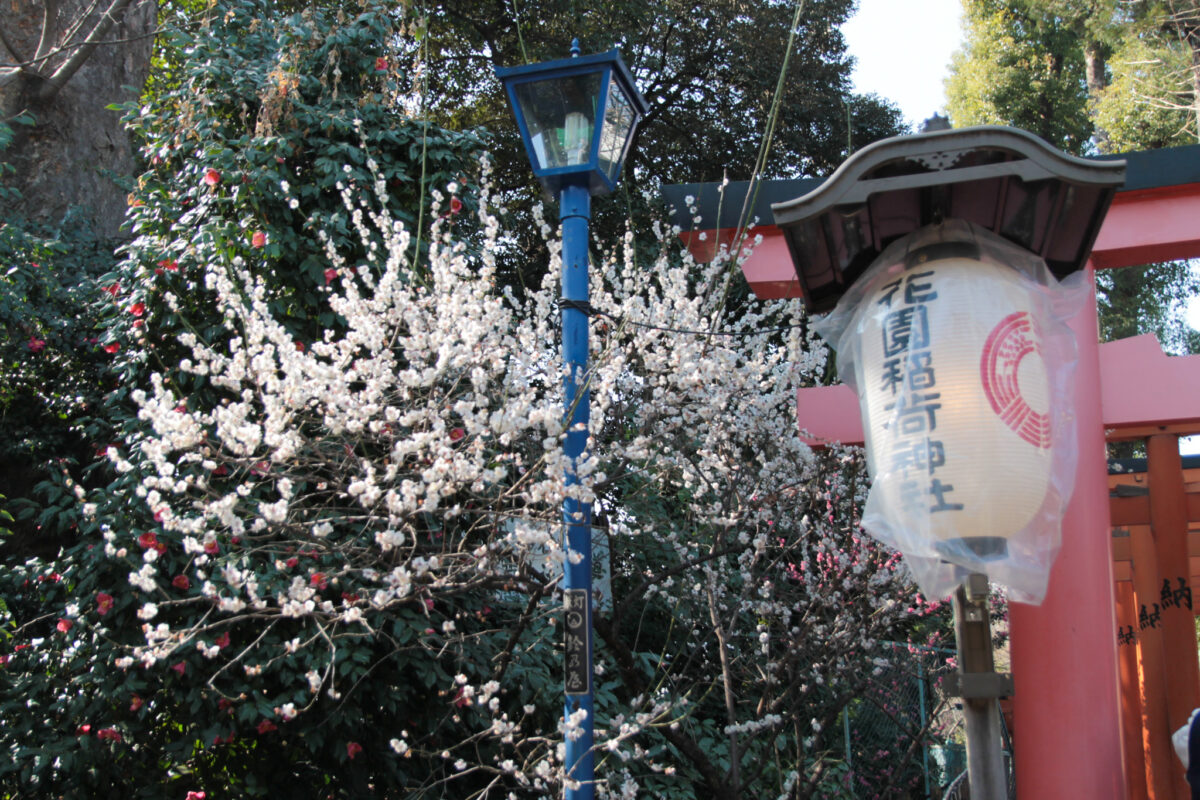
<point x="577" y="614"/>
<point x="909" y="376"/>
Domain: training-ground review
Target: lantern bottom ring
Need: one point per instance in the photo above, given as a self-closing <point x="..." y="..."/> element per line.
<point x="987" y="548"/>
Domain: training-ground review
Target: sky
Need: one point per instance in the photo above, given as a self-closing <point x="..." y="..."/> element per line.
<point x="902" y="49"/>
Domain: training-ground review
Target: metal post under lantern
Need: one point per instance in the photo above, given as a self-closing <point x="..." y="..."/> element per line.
<point x="577" y="118"/>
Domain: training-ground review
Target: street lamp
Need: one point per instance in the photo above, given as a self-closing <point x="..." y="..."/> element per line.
<point x="577" y="118"/>
<point x="930" y="248"/>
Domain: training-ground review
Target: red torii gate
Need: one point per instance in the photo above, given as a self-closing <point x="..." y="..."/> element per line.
<point x="1067" y="681"/>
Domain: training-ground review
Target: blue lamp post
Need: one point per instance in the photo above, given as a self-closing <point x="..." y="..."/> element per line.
<point x="577" y="117"/>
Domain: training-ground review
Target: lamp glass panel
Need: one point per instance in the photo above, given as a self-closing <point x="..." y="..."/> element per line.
<point x="560" y="114"/>
<point x="618" y="125"/>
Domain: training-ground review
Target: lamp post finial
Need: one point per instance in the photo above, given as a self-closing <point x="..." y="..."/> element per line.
<point x="575" y="48"/>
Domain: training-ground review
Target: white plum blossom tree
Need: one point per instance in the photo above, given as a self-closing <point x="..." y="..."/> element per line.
<point x="351" y="544"/>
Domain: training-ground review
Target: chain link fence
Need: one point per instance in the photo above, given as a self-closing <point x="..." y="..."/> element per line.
<point x="903" y="736"/>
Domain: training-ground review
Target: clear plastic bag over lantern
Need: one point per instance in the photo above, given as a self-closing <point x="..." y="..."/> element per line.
<point x="957" y="344"/>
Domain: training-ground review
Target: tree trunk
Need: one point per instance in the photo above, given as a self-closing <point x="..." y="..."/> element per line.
<point x="1094" y="62"/>
<point x="63" y="68"/>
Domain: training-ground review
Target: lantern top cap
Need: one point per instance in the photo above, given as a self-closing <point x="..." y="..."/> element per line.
<point x="1004" y="180"/>
<point x="575" y="64"/>
<point x="939" y="152"/>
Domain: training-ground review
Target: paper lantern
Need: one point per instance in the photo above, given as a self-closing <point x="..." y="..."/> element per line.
<point x="956" y="401"/>
<point x="957" y="344"/>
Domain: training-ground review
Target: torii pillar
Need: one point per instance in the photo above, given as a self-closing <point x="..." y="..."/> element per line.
<point x="1067" y="720"/>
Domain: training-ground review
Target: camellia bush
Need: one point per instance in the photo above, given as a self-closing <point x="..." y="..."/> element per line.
<point x="341" y="570"/>
<point x="328" y="557"/>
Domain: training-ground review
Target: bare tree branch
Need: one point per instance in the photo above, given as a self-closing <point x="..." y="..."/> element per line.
<point x="24" y="65"/>
<point x="49" y="23"/>
<point x="10" y="47"/>
<point x="59" y="79"/>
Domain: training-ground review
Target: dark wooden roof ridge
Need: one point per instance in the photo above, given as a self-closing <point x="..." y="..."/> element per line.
<point x="1145" y="170"/>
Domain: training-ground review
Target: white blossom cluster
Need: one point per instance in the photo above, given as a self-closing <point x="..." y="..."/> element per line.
<point x="415" y="451"/>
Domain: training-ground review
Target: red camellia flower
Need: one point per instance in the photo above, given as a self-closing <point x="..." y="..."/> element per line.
<point x="212" y="177"/>
<point x="181" y="667"/>
<point x="36" y="345"/>
<point x="195" y="796"/>
<point x="381" y="64"/>
<point x="330" y="275"/>
<point x="222" y="640"/>
<point x="318" y="580"/>
<point x="147" y="540"/>
<point x="169" y="264"/>
<point x="83" y="730"/>
<point x="137" y="309"/>
<point x="456" y="434"/>
<point x="136" y="703"/>
<point x="266" y="726"/>
<point x="212" y="548"/>
<point x="112" y="348"/>
<point x="181" y="582"/>
<point x="258" y="239"/>
<point x="455" y="205"/>
<point x="113" y="289"/>
<point x="104" y="603"/>
<point x="64" y="625"/>
<point x="109" y="734"/>
<point x="299" y="346"/>
<point x="353" y="749"/>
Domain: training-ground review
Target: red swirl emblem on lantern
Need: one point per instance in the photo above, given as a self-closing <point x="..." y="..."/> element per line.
<point x="1008" y="344"/>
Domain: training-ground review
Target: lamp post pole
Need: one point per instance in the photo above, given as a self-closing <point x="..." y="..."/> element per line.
<point x="577" y="117"/>
<point x="575" y="214"/>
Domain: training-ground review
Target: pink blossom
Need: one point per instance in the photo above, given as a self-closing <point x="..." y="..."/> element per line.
<point x="330" y="275"/>
<point x="147" y="540"/>
<point x="212" y="177"/>
<point x="353" y="749"/>
<point x="181" y="582"/>
<point x="266" y="726"/>
<point x="196" y="796"/>
<point x="137" y="309"/>
<point x="36" y="345"/>
<point x="109" y="734"/>
<point x="181" y="667"/>
<point x="64" y="625"/>
<point x="104" y="603"/>
<point x="136" y="703"/>
<point x="112" y="347"/>
<point x="222" y="641"/>
<point x="258" y="239"/>
<point x="381" y="64"/>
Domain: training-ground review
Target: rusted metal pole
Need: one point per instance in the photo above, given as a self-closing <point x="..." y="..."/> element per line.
<point x="980" y="688"/>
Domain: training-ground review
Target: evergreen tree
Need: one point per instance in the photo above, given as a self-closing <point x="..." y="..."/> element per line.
<point x="1090" y="76"/>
